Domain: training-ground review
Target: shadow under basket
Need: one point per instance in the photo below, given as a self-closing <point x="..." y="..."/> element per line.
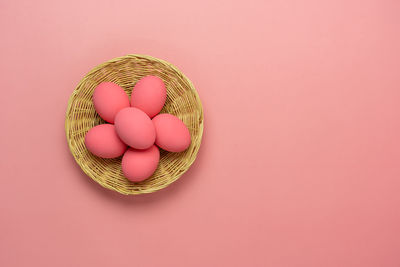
<point x="182" y="101"/>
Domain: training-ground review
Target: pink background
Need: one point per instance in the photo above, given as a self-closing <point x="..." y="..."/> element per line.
<point x="299" y="164"/>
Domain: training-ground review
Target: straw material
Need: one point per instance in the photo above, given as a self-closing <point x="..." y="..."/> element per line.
<point x="182" y="101"/>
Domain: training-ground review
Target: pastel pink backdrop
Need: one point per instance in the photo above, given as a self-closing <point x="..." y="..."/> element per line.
<point x="299" y="164"/>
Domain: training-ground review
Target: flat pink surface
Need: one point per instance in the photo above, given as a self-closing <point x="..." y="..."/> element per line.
<point x="299" y="164"/>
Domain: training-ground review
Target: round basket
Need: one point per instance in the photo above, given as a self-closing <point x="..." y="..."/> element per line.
<point x="182" y="101"/>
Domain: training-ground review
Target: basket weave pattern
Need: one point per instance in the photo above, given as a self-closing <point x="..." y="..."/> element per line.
<point x="182" y="101"/>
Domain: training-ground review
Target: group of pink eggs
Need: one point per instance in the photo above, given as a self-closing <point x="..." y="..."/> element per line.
<point x="135" y="130"/>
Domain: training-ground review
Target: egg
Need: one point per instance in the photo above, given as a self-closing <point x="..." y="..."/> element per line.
<point x="135" y="128"/>
<point x="109" y="98"/>
<point x="149" y="95"/>
<point x="138" y="165"/>
<point x="103" y="141"/>
<point x="172" y="134"/>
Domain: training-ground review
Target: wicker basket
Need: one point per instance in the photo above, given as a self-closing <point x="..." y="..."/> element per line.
<point x="182" y="101"/>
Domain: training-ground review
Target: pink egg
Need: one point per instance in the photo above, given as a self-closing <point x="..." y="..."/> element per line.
<point x="103" y="141"/>
<point x="138" y="165"/>
<point x="149" y="95"/>
<point x="172" y="134"/>
<point x="109" y="98"/>
<point x="135" y="128"/>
